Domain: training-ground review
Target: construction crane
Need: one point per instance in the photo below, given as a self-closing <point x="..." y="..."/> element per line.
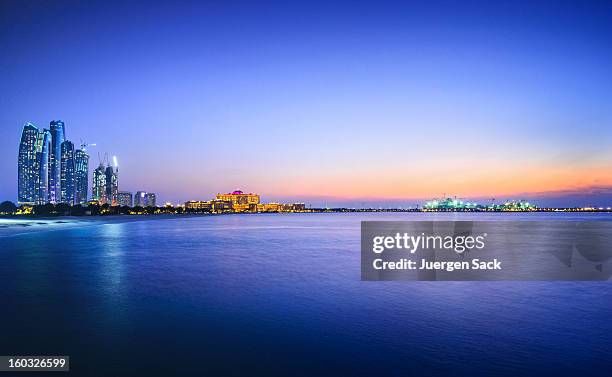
<point x="84" y="145"/>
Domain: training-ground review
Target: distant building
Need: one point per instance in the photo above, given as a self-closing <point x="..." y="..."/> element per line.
<point x="67" y="174"/>
<point x="150" y="200"/>
<point x="299" y="207"/>
<point x="267" y="207"/>
<point x="112" y="184"/>
<point x="81" y="176"/>
<point x="145" y="199"/>
<point x="214" y="206"/>
<point x="198" y="206"/>
<point x="98" y="192"/>
<point x="139" y="199"/>
<point x="105" y="185"/>
<point x="124" y="198"/>
<point x="272" y="207"/>
<point x="241" y="202"/>
<point x="238" y="201"/>
<point x="58" y="136"/>
<point x="449" y="204"/>
<point x="277" y="207"/>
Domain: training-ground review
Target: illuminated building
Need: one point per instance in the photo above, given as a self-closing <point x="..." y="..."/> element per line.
<point x="106" y="183"/>
<point x="299" y="207"/>
<point x="517" y="206"/>
<point x="58" y="136"/>
<point x="49" y="169"/>
<point x="198" y="206"/>
<point x="41" y="183"/>
<point x="124" y="198"/>
<point x="81" y="175"/>
<point x="459" y="205"/>
<point x="150" y="199"/>
<point x="27" y="174"/>
<point x="46" y="166"/>
<point x="214" y="206"/>
<point x="277" y="207"/>
<point x="267" y="207"/>
<point x="240" y="201"/>
<point x="98" y="193"/>
<point x="67" y="171"/>
<point x="139" y="199"/>
<point x="112" y="184"/>
<point x="449" y="204"/>
<point x="145" y="199"/>
<point x="295" y="207"/>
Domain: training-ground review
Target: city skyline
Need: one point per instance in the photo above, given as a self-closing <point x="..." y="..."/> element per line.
<point x="50" y="170"/>
<point x="331" y="104"/>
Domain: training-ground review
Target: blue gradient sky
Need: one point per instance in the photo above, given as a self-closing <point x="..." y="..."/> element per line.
<point x="325" y="102"/>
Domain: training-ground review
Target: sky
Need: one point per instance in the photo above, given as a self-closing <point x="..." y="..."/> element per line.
<point x="328" y="103"/>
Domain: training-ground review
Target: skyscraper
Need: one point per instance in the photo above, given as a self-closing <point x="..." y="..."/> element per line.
<point x="41" y="167"/>
<point x="81" y="175"/>
<point x="67" y="176"/>
<point x="112" y="184"/>
<point x="99" y="185"/>
<point x="26" y="163"/>
<point x="58" y="136"/>
<point x="49" y="170"/>
<point x="105" y="184"/>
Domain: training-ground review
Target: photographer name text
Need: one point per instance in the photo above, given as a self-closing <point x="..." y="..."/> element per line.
<point x="414" y="243"/>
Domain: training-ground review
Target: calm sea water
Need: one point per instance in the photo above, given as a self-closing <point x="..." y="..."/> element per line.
<point x="278" y="294"/>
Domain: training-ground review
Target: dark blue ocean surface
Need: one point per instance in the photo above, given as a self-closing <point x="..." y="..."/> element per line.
<point x="278" y="294"/>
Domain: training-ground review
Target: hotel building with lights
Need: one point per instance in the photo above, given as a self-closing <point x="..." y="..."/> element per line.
<point x="241" y="202"/>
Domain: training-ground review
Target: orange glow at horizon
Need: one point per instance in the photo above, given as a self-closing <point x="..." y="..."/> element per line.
<point x="484" y="181"/>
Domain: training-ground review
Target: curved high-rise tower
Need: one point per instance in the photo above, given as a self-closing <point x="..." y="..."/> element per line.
<point x="33" y="166"/>
<point x="43" y="151"/>
<point x="58" y="136"/>
<point x="26" y="165"/>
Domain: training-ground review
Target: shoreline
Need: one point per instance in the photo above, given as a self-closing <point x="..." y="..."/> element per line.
<point x="330" y="211"/>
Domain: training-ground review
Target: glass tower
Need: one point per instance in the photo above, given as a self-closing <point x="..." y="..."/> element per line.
<point x="99" y="185"/>
<point x="41" y="167"/>
<point x="139" y="199"/>
<point x="81" y="175"/>
<point x="124" y="198"/>
<point x="58" y="136"/>
<point x="150" y="199"/>
<point x="26" y="165"/>
<point x="112" y="185"/>
<point x="67" y="173"/>
<point x="144" y="199"/>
